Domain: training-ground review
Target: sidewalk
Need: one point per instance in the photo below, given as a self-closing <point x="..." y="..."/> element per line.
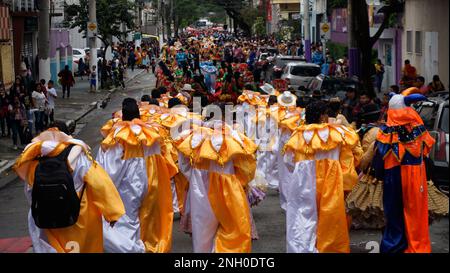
<point x="80" y="103"/>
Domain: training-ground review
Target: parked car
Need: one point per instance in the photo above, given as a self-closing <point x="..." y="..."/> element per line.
<point x="281" y="61"/>
<point x="331" y="86"/>
<point x="77" y="54"/>
<point x="435" y="116"/>
<point x="300" y="74"/>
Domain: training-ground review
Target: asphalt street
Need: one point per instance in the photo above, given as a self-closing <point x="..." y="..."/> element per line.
<point x="269" y="217"/>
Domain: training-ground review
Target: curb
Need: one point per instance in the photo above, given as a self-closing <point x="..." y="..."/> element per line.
<point x="8" y="179"/>
<point x="8" y="169"/>
<point x="107" y="96"/>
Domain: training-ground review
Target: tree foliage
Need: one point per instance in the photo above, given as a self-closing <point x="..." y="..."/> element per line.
<point x="260" y="26"/>
<point x="111" y="14"/>
<point x="361" y="33"/>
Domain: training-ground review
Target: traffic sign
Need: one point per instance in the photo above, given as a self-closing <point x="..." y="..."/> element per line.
<point x="325" y="31"/>
<point x="92" y="29"/>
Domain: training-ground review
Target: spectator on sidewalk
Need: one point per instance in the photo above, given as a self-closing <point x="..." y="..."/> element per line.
<point x="103" y="74"/>
<point x="18" y="116"/>
<point x="349" y="103"/>
<point x="81" y="68"/>
<point x="436" y="85"/>
<point x="44" y="90"/>
<point x="40" y="103"/>
<point x="5" y="101"/>
<point x="51" y="96"/>
<point x="379" y="74"/>
<point x="360" y="109"/>
<point x="409" y="75"/>
<point x="24" y="94"/>
<point x="420" y="83"/>
<point x="395" y="89"/>
<point x="132" y="60"/>
<point x="120" y="71"/>
<point x="93" y="79"/>
<point x="67" y="80"/>
<point x="17" y="88"/>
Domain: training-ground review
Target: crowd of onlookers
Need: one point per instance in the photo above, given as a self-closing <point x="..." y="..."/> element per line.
<point x="26" y="108"/>
<point x="124" y="55"/>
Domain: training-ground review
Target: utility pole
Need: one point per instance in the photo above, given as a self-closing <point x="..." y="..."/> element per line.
<point x="353" y="51"/>
<point x="44" y="40"/>
<point x="93" y="40"/>
<point x="160" y="27"/>
<point x="307" y="36"/>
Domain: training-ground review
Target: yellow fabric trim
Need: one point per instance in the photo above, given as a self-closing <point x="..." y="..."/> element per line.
<point x="205" y="152"/>
<point x="298" y="145"/>
<point x="230" y="206"/>
<point x="332" y="229"/>
<point x="156" y="211"/>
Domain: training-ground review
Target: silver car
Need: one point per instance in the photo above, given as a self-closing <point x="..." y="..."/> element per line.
<point x="300" y="74"/>
<point x="435" y="115"/>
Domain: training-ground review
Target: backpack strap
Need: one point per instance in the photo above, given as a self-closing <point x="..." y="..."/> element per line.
<point x="63" y="156"/>
<point x="65" y="153"/>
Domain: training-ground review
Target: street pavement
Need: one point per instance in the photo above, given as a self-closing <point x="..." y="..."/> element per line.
<point x="269" y="217"/>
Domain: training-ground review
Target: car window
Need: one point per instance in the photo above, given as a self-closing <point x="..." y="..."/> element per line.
<point x="305" y="71"/>
<point x="428" y="115"/>
<point x="444" y="123"/>
<point x="264" y="57"/>
<point x="76" y="52"/>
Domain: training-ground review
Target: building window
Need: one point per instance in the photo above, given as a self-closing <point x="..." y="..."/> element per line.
<point x="418" y="42"/>
<point x="409" y="48"/>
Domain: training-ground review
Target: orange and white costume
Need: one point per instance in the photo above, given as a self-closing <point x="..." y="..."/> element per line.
<point x="218" y="163"/>
<point x="100" y="196"/>
<point x="319" y="165"/>
<point x="136" y="157"/>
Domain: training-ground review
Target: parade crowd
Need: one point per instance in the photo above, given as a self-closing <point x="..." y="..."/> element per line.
<point x="217" y="132"/>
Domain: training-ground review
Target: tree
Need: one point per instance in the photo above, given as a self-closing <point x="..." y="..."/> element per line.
<point x="241" y="11"/>
<point x="112" y="16"/>
<point x="186" y="12"/>
<point x="361" y="33"/>
<point x="260" y="26"/>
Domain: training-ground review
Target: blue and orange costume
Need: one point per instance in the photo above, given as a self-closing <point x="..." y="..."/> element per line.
<point x="402" y="143"/>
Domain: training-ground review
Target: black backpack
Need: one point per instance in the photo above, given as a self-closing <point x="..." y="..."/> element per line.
<point x="55" y="202"/>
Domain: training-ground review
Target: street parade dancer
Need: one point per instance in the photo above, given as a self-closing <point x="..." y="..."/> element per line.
<point x="69" y="193"/>
<point x="401" y="147"/>
<point x="320" y="161"/>
<point x="135" y="156"/>
<point x="218" y="162"/>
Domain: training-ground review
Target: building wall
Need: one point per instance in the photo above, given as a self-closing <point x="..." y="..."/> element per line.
<point x="6" y="64"/>
<point x="428" y="17"/>
<point x="6" y="49"/>
<point x="60" y="51"/>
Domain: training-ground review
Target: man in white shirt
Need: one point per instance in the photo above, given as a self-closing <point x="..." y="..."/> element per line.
<point x="51" y="96"/>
